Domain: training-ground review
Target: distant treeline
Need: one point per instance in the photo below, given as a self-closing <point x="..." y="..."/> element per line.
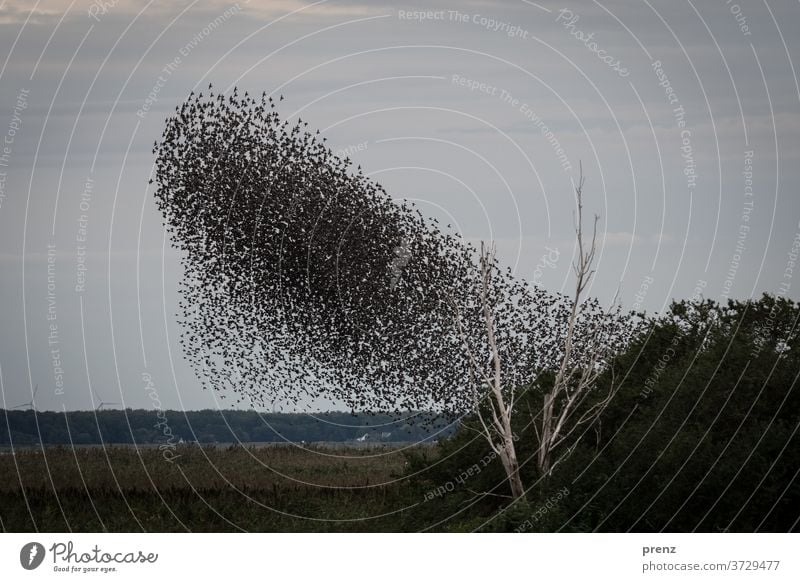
<point x="26" y="427"/>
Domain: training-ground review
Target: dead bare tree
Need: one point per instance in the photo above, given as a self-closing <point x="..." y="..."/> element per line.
<point x="514" y="338"/>
<point x="494" y="413"/>
<point x="592" y="336"/>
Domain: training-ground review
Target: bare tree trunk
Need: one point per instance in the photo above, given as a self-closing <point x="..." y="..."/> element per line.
<point x="543" y="454"/>
<point x="575" y="376"/>
<point x="511" y="465"/>
<point x="496" y="428"/>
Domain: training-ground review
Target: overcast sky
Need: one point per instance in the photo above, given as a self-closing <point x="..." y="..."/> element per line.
<point x="685" y="116"/>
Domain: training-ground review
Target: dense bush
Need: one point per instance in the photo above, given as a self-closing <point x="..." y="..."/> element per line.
<point x="701" y="435"/>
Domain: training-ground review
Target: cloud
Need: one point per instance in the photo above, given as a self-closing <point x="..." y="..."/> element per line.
<point x="20" y="12"/>
<point x="46" y="11"/>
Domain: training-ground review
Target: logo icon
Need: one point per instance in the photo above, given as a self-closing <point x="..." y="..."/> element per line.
<point x="31" y="555"/>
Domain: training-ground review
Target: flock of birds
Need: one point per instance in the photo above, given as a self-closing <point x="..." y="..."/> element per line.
<point x="293" y="290"/>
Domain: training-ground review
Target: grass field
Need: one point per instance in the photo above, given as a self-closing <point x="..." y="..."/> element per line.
<point x="273" y="488"/>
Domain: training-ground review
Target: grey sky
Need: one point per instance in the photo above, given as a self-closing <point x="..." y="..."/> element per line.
<point x="463" y="111"/>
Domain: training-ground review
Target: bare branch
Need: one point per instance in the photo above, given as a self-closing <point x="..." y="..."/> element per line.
<point x="577" y="372"/>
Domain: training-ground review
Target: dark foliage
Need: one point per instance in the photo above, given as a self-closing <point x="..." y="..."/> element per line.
<point x="701" y="436"/>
